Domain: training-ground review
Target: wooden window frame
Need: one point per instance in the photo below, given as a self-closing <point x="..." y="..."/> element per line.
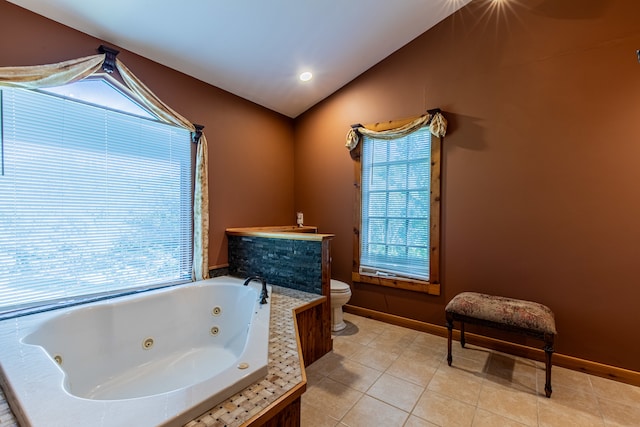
<point x="431" y="287"/>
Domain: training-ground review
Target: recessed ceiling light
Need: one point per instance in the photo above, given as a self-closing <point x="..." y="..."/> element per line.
<point x="306" y="76"/>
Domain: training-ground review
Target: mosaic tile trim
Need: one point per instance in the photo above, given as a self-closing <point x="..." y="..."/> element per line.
<point x="284" y="369"/>
<point x="284" y="366"/>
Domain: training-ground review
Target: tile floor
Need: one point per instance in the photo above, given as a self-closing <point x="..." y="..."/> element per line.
<point x="385" y="375"/>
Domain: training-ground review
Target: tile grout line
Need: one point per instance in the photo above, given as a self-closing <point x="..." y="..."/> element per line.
<point x="517" y="380"/>
<point x="597" y="397"/>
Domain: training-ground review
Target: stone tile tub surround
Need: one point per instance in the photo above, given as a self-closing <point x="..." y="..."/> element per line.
<point x="288" y="256"/>
<point x="285" y="375"/>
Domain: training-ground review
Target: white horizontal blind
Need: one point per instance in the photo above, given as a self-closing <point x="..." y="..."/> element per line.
<point x="92" y="201"/>
<point x="396" y="177"/>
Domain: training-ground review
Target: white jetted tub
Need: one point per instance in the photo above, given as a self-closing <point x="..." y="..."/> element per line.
<point x="152" y="359"/>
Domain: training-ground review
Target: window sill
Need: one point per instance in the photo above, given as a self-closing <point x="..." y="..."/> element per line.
<point x="398" y="283"/>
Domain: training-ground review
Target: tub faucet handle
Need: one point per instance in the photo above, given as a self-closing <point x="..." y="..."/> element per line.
<point x="263" y="295"/>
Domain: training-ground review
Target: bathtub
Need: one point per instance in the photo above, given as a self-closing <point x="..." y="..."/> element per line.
<point x="155" y="359"/>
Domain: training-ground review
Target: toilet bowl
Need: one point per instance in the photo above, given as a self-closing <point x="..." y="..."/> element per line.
<point x="340" y="295"/>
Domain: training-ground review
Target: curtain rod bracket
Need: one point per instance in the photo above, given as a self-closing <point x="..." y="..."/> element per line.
<point x="109" y="64"/>
<point x="197" y="133"/>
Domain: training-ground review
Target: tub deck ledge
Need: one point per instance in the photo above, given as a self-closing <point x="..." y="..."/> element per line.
<point x="284" y="383"/>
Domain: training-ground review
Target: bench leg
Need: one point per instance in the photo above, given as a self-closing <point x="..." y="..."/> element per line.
<point x="548" y="352"/>
<point x="462" y="341"/>
<point x="450" y="333"/>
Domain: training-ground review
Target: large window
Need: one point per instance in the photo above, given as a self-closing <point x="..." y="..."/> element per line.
<point x="93" y="200"/>
<point x="399" y="188"/>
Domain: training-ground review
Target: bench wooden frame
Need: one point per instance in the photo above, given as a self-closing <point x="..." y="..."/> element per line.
<point x="548" y="339"/>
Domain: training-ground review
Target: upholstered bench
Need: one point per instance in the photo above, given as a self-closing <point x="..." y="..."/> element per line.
<point x="524" y="317"/>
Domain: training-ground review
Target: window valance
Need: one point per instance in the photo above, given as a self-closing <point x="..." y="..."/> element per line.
<point x="436" y="122"/>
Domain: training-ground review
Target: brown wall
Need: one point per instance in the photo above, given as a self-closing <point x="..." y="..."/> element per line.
<point x="541" y="198"/>
<point x="539" y="168"/>
<point x="250" y="147"/>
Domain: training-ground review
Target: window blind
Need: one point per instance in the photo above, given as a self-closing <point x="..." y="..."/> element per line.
<point x="396" y="177"/>
<point x="93" y="201"/>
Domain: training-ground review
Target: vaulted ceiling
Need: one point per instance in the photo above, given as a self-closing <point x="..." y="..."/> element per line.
<point x="257" y="49"/>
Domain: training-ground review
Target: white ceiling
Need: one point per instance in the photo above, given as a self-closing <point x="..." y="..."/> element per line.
<point x="256" y="48"/>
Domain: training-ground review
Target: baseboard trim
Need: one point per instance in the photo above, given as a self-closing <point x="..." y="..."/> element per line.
<point x="593" y="368"/>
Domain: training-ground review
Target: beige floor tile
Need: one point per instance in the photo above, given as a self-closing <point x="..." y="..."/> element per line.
<point x="346" y="347"/>
<point x="444" y="411"/>
<point x="393" y="341"/>
<point x="414" y="421"/>
<point x="360" y="335"/>
<point x="485" y="418"/>
<point x="369" y="412"/>
<point x="396" y="392"/>
<point x="333" y="398"/>
<point x="313" y="377"/>
<point x="554" y="413"/>
<point x="513" y="404"/>
<point x="404" y="335"/>
<point x="365" y="337"/>
<point x="430" y="356"/>
<point x="508" y="366"/>
<point x="618" y="414"/>
<point x="428" y="352"/>
<point x="459" y="385"/>
<point x="527" y="361"/>
<point x="474" y="366"/>
<point x="563" y="377"/>
<point x="364" y="323"/>
<point x="399" y="330"/>
<point x="574" y="398"/>
<point x="470" y="351"/>
<point x="355" y="375"/>
<point x="316" y="417"/>
<point x="606" y="388"/>
<point x="429" y="340"/>
<point x="511" y="371"/>
<point x="522" y="384"/>
<point x="325" y="364"/>
<point x="395" y="348"/>
<point x="349" y="329"/>
<point x="374" y="358"/>
<point x="482" y="352"/>
<point x="470" y="359"/>
<point x="412" y="370"/>
<point x="379" y="370"/>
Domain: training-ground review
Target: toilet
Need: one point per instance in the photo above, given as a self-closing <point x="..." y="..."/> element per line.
<point x="340" y="294"/>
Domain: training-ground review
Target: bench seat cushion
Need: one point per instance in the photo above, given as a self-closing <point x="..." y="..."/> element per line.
<point x="513" y="312"/>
